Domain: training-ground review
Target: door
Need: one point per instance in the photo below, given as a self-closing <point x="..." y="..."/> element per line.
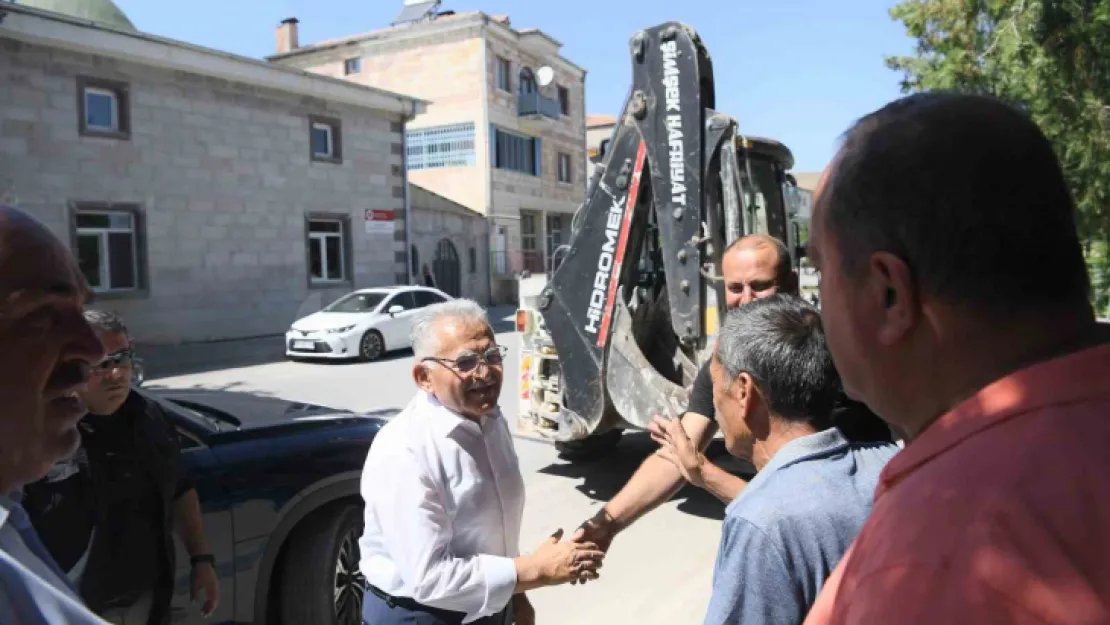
<point x="447" y="269"/>
<point x="395" y="328"/>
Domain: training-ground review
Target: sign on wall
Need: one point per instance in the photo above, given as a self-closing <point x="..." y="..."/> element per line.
<point x="379" y="221"/>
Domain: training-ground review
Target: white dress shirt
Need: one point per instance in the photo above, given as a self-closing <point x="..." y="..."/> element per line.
<point x="31" y="591"/>
<point x="444" y="500"/>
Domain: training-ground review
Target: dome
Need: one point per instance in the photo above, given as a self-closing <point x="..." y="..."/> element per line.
<point x="101" y="11"/>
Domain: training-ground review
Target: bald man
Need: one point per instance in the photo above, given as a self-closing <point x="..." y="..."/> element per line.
<point x="48" y="351"/>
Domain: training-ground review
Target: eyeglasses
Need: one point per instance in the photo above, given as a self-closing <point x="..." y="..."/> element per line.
<point x="469" y="361"/>
<point x="120" y="359"/>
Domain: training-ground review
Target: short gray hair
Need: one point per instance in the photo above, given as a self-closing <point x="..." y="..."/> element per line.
<point x="425" y="341"/>
<point x="780" y="342"/>
<point x="106" y="321"/>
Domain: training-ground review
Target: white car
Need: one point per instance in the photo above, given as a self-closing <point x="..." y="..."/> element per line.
<point x="363" y="324"/>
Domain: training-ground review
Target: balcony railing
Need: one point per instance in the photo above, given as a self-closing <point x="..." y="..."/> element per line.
<point x="506" y="264"/>
<point x="534" y="105"/>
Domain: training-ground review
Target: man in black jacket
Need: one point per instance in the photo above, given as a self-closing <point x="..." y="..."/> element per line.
<point x="107" y="514"/>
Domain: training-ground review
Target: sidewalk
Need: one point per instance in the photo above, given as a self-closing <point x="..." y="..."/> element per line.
<point x="186" y="358"/>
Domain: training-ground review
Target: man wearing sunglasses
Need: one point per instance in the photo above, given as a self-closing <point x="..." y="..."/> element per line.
<point x="107" y="514"/>
<point x="444" y="494"/>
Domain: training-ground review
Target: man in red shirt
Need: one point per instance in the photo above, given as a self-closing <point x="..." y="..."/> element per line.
<point x="955" y="301"/>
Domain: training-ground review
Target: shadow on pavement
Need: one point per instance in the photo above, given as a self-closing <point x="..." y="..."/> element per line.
<point x="604" y="478"/>
<point x="162" y="361"/>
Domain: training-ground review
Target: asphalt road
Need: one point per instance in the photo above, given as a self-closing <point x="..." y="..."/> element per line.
<point x="658" y="572"/>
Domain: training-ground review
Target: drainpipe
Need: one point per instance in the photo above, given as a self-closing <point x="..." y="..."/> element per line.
<point x="491" y="223"/>
<point x="405" y="119"/>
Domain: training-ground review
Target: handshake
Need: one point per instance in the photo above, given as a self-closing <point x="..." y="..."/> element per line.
<point x="576" y="560"/>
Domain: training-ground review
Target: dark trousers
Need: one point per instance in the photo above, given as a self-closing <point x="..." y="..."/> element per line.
<point x="377" y="610"/>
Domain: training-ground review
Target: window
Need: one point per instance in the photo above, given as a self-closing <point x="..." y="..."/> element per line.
<point x="325" y="140"/>
<point x="504" y="74"/>
<point x="327" y="249"/>
<point x="415" y="260"/>
<point x="440" y="146"/>
<point x="427" y="298"/>
<point x="103" y="108"/>
<point x="564" y="168"/>
<point x="516" y="153"/>
<point x="527" y="231"/>
<point x="473" y="260"/>
<point x="404" y="300"/>
<point x="352" y="66"/>
<point x="107" y="244"/>
<point x="564" y="100"/>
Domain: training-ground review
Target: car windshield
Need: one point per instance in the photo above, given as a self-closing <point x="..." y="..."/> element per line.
<point x="356" y="303"/>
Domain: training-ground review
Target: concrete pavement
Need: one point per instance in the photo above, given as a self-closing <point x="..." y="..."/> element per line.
<point x="658" y="572"/>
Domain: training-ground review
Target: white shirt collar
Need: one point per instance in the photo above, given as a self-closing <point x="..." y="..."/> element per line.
<point x="445" y="421"/>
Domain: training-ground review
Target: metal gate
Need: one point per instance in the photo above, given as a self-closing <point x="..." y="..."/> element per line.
<point x="446" y="268"/>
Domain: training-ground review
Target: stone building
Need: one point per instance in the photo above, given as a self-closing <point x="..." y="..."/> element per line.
<point x="206" y="196"/>
<point x="494" y="138"/>
<point x="599" y="128"/>
<point x="452" y="241"/>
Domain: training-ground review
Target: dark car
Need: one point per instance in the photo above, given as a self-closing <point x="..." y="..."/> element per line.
<point x="278" y="483"/>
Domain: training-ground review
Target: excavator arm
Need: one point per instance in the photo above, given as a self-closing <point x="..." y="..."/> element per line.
<point x="626" y="308"/>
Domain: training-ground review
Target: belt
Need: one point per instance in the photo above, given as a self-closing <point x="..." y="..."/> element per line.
<point x="408" y="603"/>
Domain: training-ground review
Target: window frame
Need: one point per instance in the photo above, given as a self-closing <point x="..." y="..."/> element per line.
<point x="120" y="91"/>
<point x="141" y="290"/>
<point x="357" y="61"/>
<point x="504" y="70"/>
<point x="568" y="178"/>
<point x="531" y="145"/>
<point x="346" y="253"/>
<point x="335" y="130"/>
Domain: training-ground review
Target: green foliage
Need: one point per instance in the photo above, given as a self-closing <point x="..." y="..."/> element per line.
<point x="1051" y="58"/>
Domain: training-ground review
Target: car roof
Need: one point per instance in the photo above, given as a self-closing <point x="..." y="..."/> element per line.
<point x="385" y="290"/>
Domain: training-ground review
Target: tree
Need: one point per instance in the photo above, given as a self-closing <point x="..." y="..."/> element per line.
<point x="1049" y="57"/>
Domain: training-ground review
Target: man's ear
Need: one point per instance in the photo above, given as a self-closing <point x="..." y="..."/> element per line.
<point x="422" y="377"/>
<point x="752" y="406"/>
<point x="895" y="293"/>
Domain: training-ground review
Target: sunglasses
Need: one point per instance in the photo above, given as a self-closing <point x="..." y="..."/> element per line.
<point x="122" y="358"/>
<point x="469" y="361"/>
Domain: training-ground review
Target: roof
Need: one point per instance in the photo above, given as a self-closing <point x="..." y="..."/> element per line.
<point x="84" y="36"/>
<point x="462" y="208"/>
<point x="100" y="11"/>
<point x="596" y="121"/>
<point x="451" y="21"/>
<point x="807" y="179"/>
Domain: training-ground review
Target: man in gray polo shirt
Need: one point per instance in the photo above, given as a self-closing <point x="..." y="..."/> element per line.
<point x="774" y="386"/>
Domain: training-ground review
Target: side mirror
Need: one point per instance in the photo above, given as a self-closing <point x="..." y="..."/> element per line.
<point x="396" y="308"/>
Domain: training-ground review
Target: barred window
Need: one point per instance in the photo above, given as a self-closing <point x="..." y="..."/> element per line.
<point x="440" y="146"/>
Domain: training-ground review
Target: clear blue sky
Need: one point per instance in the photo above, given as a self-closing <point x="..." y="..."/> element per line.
<point x="796" y="70"/>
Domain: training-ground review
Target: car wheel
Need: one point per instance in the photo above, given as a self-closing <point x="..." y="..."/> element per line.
<point x="321" y="582"/>
<point x="589" y="448"/>
<point x="372" y="346"/>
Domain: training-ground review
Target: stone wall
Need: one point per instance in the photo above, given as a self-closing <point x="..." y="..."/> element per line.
<point x="222" y="176"/>
<point x="443" y="68"/>
<point x="435" y="218"/>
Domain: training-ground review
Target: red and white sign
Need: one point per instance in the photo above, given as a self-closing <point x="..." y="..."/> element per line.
<point x="379" y="221"/>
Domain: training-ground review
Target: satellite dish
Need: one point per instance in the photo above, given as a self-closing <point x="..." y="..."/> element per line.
<point x="544" y="76"/>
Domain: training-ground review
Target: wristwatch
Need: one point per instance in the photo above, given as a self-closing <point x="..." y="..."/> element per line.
<point x="202" y="557"/>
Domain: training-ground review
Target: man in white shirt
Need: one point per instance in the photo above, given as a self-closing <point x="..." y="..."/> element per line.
<point x="48" y="348"/>
<point x="444" y="494"/>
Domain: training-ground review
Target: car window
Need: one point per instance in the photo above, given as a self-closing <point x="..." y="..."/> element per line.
<point x="401" y="299"/>
<point x="427" y="298"/>
<point x="356" y="303"/>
